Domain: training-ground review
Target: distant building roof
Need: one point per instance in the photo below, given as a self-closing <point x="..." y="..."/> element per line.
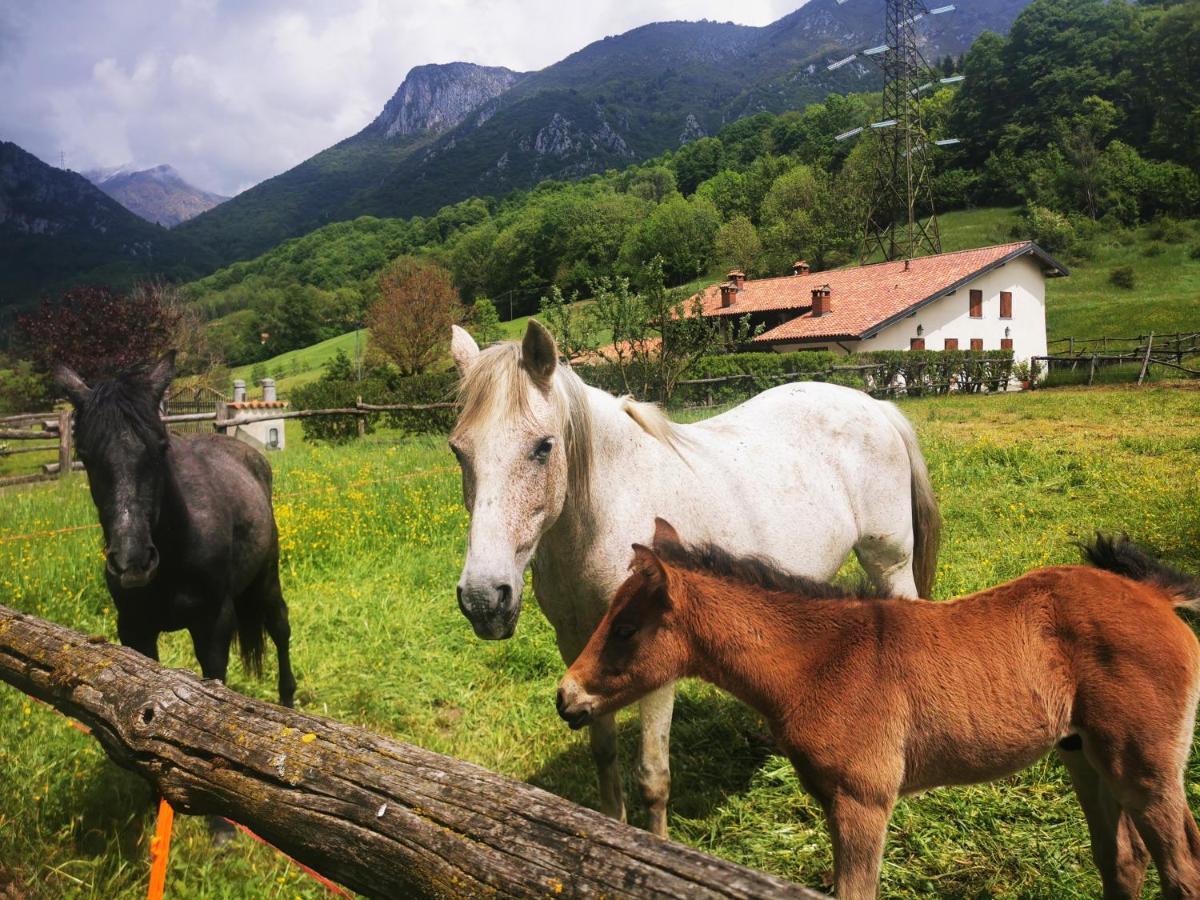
<point x="866" y="299"/>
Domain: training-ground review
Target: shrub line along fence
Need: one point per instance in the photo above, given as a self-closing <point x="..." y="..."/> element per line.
<point x="56" y="426"/>
<point x="382" y="817"/>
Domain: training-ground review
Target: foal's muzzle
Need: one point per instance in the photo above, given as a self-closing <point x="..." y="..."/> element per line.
<point x="492" y="609"/>
<point x="574" y="706"/>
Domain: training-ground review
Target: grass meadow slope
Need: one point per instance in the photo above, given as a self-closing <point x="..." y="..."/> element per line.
<point x="372" y="536"/>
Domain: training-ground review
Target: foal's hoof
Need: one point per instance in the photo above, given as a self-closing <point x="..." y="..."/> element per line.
<point x="220" y="831"/>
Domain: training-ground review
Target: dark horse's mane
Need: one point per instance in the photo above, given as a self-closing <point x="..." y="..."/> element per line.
<point x="759" y="571"/>
<point x="123" y="401"/>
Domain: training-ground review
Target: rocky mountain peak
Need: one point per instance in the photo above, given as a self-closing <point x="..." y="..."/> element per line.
<point x="438" y="97"/>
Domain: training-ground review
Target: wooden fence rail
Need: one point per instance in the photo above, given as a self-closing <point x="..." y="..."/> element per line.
<point x="382" y="817"/>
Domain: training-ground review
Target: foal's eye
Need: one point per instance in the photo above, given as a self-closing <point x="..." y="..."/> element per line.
<point x="541" y="452"/>
<point x="624" y="631"/>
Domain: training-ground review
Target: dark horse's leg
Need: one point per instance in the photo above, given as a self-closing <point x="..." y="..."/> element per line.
<point x="281" y="635"/>
<point x="211" y="639"/>
<point x="143" y="641"/>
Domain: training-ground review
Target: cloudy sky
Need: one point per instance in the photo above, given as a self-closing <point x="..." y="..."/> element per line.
<point x="233" y="91"/>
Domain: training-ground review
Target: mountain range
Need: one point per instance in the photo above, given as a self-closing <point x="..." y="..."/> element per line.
<point x="158" y="195"/>
<point x="458" y="130"/>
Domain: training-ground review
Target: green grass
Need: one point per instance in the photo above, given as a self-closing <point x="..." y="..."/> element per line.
<point x="372" y="542"/>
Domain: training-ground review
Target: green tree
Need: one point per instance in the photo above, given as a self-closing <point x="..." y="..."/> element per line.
<point x="738" y="245"/>
<point x="679" y="232"/>
<point x="696" y="162"/>
<point x="485" y="322"/>
<point x="572" y="323"/>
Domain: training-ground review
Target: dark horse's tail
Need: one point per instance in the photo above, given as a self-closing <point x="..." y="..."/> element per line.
<point x="1121" y="555"/>
<point x="251" y="624"/>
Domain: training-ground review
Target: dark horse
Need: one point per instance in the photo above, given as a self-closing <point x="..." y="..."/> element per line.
<point x="189" y="533"/>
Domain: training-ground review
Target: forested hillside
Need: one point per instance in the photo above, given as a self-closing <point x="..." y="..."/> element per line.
<point x="1082" y="117"/>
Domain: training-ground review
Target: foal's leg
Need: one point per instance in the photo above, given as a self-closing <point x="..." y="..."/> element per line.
<point x="654" y="767"/>
<point x="1117" y="848"/>
<point x="858" y="827"/>
<point x="1143" y="761"/>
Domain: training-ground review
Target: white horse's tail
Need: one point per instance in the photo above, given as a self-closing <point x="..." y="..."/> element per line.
<point x="926" y="519"/>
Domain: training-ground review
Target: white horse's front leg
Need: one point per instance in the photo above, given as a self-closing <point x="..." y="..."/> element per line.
<point x="603" y="733"/>
<point x="654" y="767"/>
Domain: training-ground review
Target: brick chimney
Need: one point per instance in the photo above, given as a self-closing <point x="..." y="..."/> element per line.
<point x="821" y="302"/>
<point x="728" y="293"/>
<point x="738" y="277"/>
<point x="800" y="267"/>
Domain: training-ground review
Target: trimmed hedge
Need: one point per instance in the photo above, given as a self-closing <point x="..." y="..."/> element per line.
<point x="912" y="372"/>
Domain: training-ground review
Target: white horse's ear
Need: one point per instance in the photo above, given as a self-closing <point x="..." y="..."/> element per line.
<point x="68" y="379"/>
<point x="539" y="353"/>
<point x="463" y="348"/>
<point x="665" y="533"/>
<point x="162" y="374"/>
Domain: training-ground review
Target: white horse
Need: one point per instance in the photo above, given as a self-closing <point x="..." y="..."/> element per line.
<point x="569" y="476"/>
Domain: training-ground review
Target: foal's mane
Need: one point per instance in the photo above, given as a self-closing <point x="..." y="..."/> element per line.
<point x="123" y="401"/>
<point x="496" y="386"/>
<point x="758" y="571"/>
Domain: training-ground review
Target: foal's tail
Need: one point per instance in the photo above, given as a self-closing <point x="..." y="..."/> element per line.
<point x="1121" y="555"/>
<point x="926" y="518"/>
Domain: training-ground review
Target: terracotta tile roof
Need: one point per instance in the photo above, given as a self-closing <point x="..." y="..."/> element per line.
<point x="258" y="404"/>
<point x="864" y="298"/>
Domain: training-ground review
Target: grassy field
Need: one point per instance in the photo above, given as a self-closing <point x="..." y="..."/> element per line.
<point x="372" y="536"/>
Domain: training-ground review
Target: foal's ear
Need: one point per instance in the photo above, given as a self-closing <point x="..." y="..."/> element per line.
<point x="68" y="379"/>
<point x="665" y="533"/>
<point x="162" y="374"/>
<point x="539" y="353"/>
<point x="649" y="566"/>
<point x="463" y="348"/>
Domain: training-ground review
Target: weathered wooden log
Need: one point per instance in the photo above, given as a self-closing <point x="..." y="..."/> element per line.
<point x="56" y="468"/>
<point x="382" y="817"/>
<point x="26" y="434"/>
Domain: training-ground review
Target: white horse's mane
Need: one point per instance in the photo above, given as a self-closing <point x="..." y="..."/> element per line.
<point x="496" y="385"/>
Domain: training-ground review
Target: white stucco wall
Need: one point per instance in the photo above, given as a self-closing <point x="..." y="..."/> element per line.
<point x="949" y="317"/>
<point x="261" y="431"/>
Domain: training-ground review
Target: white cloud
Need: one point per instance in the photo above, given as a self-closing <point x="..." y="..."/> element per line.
<point x="231" y="93"/>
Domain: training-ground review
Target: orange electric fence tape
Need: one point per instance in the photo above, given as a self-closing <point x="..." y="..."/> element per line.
<point x="160" y="850"/>
<point x="440" y="470"/>
<point x="160" y="844"/>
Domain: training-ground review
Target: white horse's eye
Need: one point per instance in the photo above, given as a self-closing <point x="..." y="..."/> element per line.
<point x="541" y="452"/>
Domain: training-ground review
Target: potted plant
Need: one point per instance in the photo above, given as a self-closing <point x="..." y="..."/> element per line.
<point x="1022" y="371"/>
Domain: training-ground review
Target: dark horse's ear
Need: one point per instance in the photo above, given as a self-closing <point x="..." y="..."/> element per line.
<point x="162" y="374"/>
<point x="539" y="353"/>
<point x="68" y="379"/>
<point x="665" y="533"/>
<point x="649" y="566"/>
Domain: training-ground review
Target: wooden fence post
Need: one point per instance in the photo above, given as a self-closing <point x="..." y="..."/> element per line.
<point x="360" y="421"/>
<point x="1092" y="370"/>
<point x="222" y="416"/>
<point x="1146" y="358"/>
<point x="64" y="443"/>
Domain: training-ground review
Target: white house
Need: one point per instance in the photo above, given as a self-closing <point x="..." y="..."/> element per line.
<point x="265" y="429"/>
<point x="990" y="298"/>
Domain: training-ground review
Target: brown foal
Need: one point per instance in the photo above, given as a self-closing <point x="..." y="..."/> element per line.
<point x="874" y="697"/>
